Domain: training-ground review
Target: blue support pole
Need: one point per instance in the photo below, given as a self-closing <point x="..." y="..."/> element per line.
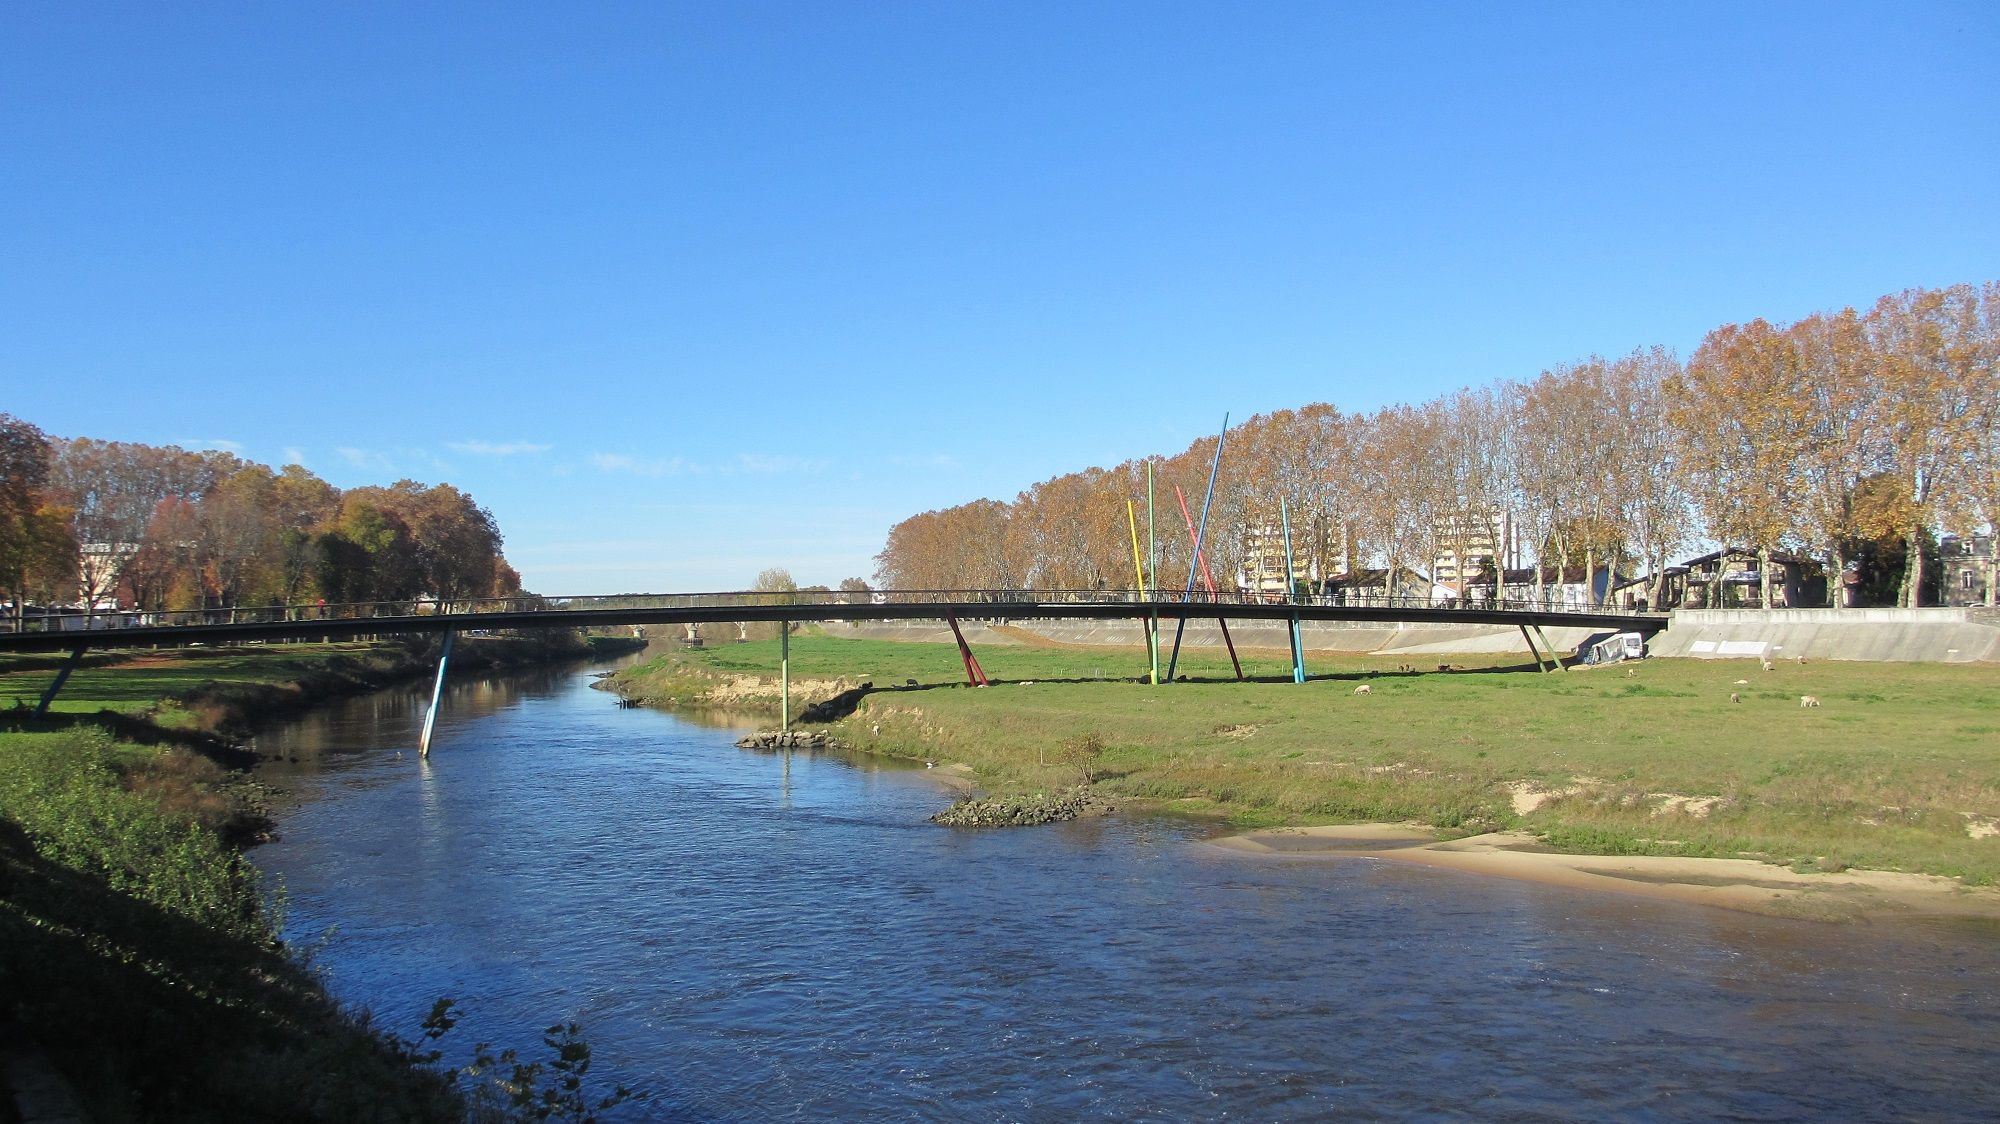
<point x="437" y="696"/>
<point x="62" y="676"/>
<point x="1200" y="537"/>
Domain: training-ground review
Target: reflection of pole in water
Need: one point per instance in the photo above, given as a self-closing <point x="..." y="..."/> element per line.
<point x="785" y="781"/>
<point x="429" y="797"/>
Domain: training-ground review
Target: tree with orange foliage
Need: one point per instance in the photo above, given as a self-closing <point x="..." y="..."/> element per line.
<point x="1928" y="356"/>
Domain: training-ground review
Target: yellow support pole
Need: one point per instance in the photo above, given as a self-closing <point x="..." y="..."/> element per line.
<point x="1152" y="576"/>
<point x="1139" y="574"/>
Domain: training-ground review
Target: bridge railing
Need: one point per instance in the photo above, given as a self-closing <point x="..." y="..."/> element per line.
<point x="967" y="602"/>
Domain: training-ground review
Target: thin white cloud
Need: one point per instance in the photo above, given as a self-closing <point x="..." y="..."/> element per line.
<point x="295" y="455"/>
<point x="621" y="464"/>
<point x="218" y="444"/>
<point x="937" y="461"/>
<point x="764" y="464"/>
<point x="743" y="464"/>
<point x="498" y="448"/>
<point x="365" y="458"/>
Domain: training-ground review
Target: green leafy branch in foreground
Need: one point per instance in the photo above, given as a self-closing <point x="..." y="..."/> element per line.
<point x="502" y="1087"/>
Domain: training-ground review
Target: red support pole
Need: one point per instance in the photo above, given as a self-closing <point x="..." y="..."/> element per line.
<point x="973" y="675"/>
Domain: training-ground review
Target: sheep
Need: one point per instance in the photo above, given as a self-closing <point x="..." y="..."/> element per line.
<point x="1808" y="700"/>
<point x="1364" y="689"/>
<point x="1734" y="697"/>
<point x="1769" y="666"/>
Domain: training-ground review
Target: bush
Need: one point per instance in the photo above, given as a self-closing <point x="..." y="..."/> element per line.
<point x="67" y="794"/>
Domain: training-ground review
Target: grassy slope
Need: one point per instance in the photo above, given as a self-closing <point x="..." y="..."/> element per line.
<point x="133" y="945"/>
<point x="1883" y="775"/>
<point x="155" y="982"/>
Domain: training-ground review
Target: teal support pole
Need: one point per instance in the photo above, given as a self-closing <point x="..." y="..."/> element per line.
<point x="437" y="696"/>
<point x="1291" y="597"/>
<point x="62" y="676"/>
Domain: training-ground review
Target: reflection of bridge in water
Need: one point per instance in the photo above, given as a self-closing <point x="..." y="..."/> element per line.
<point x="311" y="623"/>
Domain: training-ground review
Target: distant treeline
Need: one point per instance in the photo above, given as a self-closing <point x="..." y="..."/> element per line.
<point x="91" y="522"/>
<point x="1835" y="435"/>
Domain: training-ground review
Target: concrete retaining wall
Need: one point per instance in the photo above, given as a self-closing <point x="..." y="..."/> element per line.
<point x="1898" y="635"/>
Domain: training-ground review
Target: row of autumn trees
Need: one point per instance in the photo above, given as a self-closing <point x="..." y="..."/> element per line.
<point x="1811" y="438"/>
<point x="92" y="522"/>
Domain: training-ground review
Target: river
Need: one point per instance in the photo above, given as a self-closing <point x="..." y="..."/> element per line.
<point x="751" y="936"/>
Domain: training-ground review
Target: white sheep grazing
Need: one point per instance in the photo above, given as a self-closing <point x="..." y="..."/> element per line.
<point x="1734" y="697"/>
<point x="1808" y="700"/>
<point x="1769" y="666"/>
<point x="1364" y="689"/>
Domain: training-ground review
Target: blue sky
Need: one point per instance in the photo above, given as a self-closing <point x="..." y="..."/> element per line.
<point x="681" y="291"/>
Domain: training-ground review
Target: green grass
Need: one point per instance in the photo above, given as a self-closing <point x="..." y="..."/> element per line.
<point x="137" y="683"/>
<point x="1884" y="775"/>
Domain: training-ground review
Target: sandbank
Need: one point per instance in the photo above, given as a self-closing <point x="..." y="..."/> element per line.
<point x="1739" y="884"/>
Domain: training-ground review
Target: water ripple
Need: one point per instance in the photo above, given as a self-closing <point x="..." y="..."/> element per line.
<point x="757" y="938"/>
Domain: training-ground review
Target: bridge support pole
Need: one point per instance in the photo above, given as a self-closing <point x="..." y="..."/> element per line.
<point x="1532" y="650"/>
<point x="975" y="676"/>
<point x="1555" y="661"/>
<point x="437" y="696"/>
<point x="62" y="676"/>
<point x="1297" y="633"/>
<point x="785" y="679"/>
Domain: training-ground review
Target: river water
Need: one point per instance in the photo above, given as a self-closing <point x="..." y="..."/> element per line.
<point x="750" y="937"/>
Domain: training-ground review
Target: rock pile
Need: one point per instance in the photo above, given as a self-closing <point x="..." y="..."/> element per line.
<point x="796" y="739"/>
<point x="1021" y="811"/>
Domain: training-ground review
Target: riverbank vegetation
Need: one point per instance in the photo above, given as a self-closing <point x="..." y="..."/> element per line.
<point x="135" y="945"/>
<point x="1846" y="437"/>
<point x="1898" y="769"/>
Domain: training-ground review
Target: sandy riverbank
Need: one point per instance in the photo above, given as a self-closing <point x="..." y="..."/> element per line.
<point x="1740" y="884"/>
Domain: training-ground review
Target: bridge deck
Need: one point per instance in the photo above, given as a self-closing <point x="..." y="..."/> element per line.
<point x="346" y="622"/>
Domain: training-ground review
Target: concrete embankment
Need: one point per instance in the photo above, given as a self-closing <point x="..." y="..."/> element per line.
<point x="1898" y="635"/>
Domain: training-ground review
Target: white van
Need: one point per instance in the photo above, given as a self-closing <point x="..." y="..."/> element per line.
<point x="1618" y="646"/>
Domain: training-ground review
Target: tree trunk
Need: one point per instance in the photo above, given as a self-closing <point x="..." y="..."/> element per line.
<point x="1993" y="566"/>
<point x="1836" y="584"/>
<point x="1913" y="568"/>
<point x="1590" y="575"/>
<point x="1763" y="577"/>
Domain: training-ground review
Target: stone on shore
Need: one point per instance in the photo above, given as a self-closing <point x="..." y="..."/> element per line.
<point x="1021" y="811"/>
<point x="795" y="739"/>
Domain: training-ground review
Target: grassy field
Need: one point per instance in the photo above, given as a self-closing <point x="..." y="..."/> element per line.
<point x="1898" y="769"/>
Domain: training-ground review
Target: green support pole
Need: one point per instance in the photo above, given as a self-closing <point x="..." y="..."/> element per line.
<point x="1555" y="661"/>
<point x="62" y="676"/>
